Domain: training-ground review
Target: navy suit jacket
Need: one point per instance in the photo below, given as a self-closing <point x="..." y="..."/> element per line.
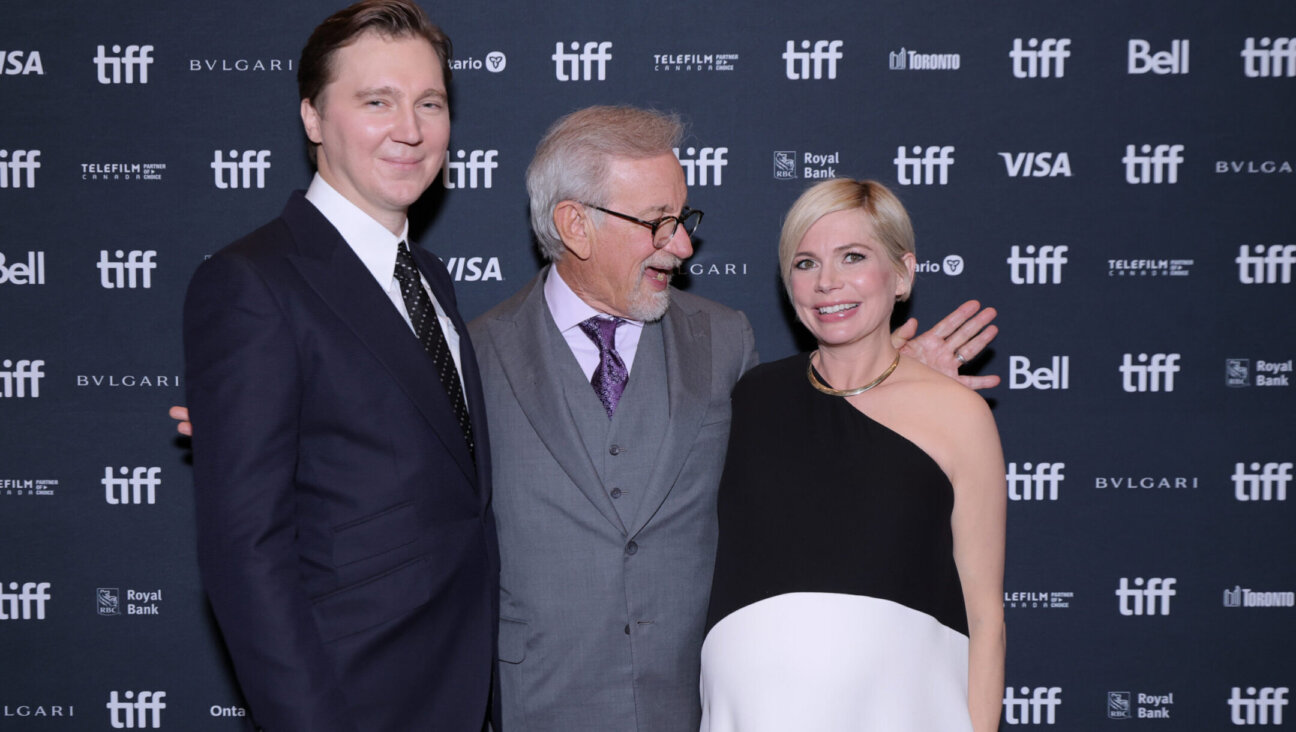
<point x="345" y="536"/>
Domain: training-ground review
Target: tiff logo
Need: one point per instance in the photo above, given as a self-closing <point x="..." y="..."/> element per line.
<point x="1260" y="706"/>
<point x="1266" y="265"/>
<point x="1143" y="61"/>
<point x="1040" y="485"/>
<point x="21" y="379"/>
<point x="132" y="273"/>
<point x="1278" y="59"/>
<point x="703" y="166"/>
<point x="252" y="160"/>
<point x="922" y="171"/>
<point x="110" y="68"/>
<point x="134" y="487"/>
<point x="1036" y="706"/>
<point x="12" y="168"/>
<point x="1159" y="165"/>
<point x="145" y="712"/>
<point x="809" y="63"/>
<point x="1057" y="375"/>
<point x="1140" y="600"/>
<point x="1156" y="375"/>
<point x="1040" y="58"/>
<point x="1264" y="483"/>
<point x="464" y="174"/>
<point x="25" y="602"/>
<point x="569" y="66"/>
<point x="1035" y="268"/>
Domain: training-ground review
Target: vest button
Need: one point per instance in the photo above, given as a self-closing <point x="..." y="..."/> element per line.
<point x="627" y="629"/>
<point x="616" y="492"/>
<point x="615" y="449"/>
<point x="631" y="548"/>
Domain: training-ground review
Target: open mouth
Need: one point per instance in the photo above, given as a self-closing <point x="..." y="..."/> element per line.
<point x="840" y="308"/>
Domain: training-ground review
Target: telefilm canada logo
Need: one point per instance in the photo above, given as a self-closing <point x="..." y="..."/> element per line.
<point x="1239" y="372"/>
<point x="1140" y="705"/>
<point x="1038" y="599"/>
<point x="1136" y="268"/>
<point x="692" y="61"/>
<point x="791" y="165"/>
<point x="105" y="171"/>
<point x="28" y="486"/>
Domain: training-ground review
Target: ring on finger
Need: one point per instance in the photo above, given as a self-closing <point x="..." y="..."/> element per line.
<point x="959" y="356"/>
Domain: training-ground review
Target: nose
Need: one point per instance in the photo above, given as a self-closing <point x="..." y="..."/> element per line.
<point x="405" y="128"/>
<point x="680" y="244"/>
<point x="828" y="279"/>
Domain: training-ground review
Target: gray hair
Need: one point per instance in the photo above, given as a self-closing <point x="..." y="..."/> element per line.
<point x="571" y="160"/>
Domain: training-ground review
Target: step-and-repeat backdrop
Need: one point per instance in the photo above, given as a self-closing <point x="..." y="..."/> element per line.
<point x="1116" y="178"/>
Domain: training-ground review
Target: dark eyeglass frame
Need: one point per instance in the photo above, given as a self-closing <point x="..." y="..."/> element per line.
<point x="655" y="225"/>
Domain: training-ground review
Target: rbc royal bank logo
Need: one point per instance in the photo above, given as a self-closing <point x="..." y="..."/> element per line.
<point x="1042" y="268"/>
<point x="108" y="601"/>
<point x="127" y="270"/>
<point x="927" y="167"/>
<point x="1040" y="59"/>
<point x="1159" y="164"/>
<point x="1257" y="706"/>
<point x="1034" y="483"/>
<point x="123" y="67"/>
<point x="587" y="63"/>
<point x="1149" y="373"/>
<point x="703" y="166"/>
<point x="1034" y="706"/>
<point x="1142" y="60"/>
<point x="817" y="62"/>
<point x="12" y="63"/>
<point x="238" y="168"/>
<point x="24" y="601"/>
<point x="136" y="710"/>
<point x="28" y="272"/>
<point x="785" y="165"/>
<point x="21" y="378"/>
<point x="1265" y="264"/>
<point x="1261" y="481"/>
<point x="1269" y="58"/>
<point x="469" y="169"/>
<point x="135" y="486"/>
<point x="1057" y="375"/>
<point x="1036" y="164"/>
<point x="1150" y="597"/>
<point x="18" y="167"/>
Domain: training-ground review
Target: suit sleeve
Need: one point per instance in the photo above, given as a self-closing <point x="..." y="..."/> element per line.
<point x="244" y="394"/>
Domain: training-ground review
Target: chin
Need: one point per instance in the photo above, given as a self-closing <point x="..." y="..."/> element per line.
<point x="650" y="309"/>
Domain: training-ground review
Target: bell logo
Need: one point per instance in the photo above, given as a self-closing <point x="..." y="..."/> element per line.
<point x="1055" y="376"/>
<point x="1261" y="706"/>
<point x="569" y="66"/>
<point x="704" y="166"/>
<point x="1149" y="374"/>
<point x="1276" y="58"/>
<point x="29" y="272"/>
<point x="133" y="487"/>
<point x="25" y="601"/>
<point x="1152" y="165"/>
<point x="471" y="172"/>
<point x="136" y="710"/>
<point x="1267" y="482"/>
<point x="1037" y="485"/>
<point x="923" y="171"/>
<point x="1266" y="265"/>
<point x="12" y="63"/>
<point x="1141" y="600"/>
<point x="1143" y="61"/>
<point x="121" y="69"/>
<point x="1035" y="706"/>
<point x="13" y="166"/>
<point x="810" y="63"/>
<point x="228" y="173"/>
<point x="1040" y="58"/>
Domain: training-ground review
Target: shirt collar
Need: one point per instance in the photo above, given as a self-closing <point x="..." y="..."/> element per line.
<point x="566" y="307"/>
<point x="371" y="241"/>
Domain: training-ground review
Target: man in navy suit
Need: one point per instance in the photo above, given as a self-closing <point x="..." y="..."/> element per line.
<point x="341" y="463"/>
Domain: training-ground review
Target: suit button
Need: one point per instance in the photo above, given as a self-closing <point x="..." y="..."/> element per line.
<point x="632" y="548"/>
<point x="615" y="450"/>
<point x="616" y="492"/>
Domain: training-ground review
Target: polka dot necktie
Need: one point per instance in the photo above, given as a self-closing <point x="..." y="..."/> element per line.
<point x="426" y="325"/>
<point x="610" y="376"/>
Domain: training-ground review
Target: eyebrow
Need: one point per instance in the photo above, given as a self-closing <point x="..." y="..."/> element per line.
<point x="391" y="91"/>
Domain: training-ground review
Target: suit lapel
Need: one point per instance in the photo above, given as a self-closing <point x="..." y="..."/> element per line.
<point x="686" y="338"/>
<point x="524" y="337"/>
<point x="337" y="275"/>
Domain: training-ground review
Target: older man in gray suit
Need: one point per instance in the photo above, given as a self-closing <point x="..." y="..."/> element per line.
<point x="605" y="496"/>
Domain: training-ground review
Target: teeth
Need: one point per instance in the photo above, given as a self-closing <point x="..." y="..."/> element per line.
<point x="837" y="308"/>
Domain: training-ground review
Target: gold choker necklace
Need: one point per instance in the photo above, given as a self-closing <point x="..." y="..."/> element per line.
<point x="824" y="388"/>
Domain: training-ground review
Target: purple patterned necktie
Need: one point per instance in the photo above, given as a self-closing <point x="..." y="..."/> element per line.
<point x="610" y="375"/>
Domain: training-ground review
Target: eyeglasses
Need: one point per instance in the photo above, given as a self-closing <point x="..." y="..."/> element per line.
<point x="662" y="229"/>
